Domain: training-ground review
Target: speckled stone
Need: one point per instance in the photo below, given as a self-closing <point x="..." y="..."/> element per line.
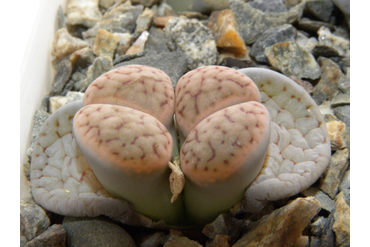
<point x="325" y="201"/>
<point x="156" y="41"/>
<point x="54" y="236"/>
<point x="322" y="232"/>
<point x="144" y="21"/>
<point x="308" y="43"/>
<point x="83" y="12"/>
<point x="63" y="73"/>
<point x="268" y="6"/>
<point x="193" y="39"/>
<point x="341" y="225"/>
<point x="321" y="9"/>
<point x="58" y="101"/>
<point x="125" y="41"/>
<point x="337" y="131"/>
<point x="326" y="38"/>
<point x="82" y="58"/>
<point x="207" y="6"/>
<point x="105" y="43"/>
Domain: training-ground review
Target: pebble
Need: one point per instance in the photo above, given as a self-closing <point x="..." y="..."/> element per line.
<point x="225" y="31"/>
<point x="341" y="226"/>
<point x="270" y="37"/>
<point x="180" y="241"/>
<point x="340" y="99"/>
<point x="105" y="43"/>
<point x="54" y="236"/>
<point x="83" y="12"/>
<point x="146" y="3"/>
<point x="332" y="177"/>
<point x="313" y="26"/>
<point x="321" y="9"/>
<point x="253" y="22"/>
<point x="64" y="45"/>
<point x="337" y="131"/>
<point x="106" y="3"/>
<point x="63" y="72"/>
<point x="343" y="114"/>
<point x="155" y="240"/>
<point x="144" y="21"/>
<point x="325" y="201"/>
<point x="95" y="232"/>
<point x="138" y="45"/>
<point x="268" y="6"/>
<point x="192" y="38"/>
<point x="33" y="219"/>
<point x="125" y="41"/>
<point x="82" y="58"/>
<point x="39" y="119"/>
<point x="326" y="109"/>
<point x="292" y="219"/>
<point x="346" y="181"/>
<point x="207" y="6"/>
<point x="327" y="86"/>
<point x="322" y="232"/>
<point x="156" y="41"/>
<point x="326" y="38"/>
<point x="220" y="240"/>
<point x="224" y="224"/>
<point x="57" y="101"/>
<point x="305" y="42"/>
<point x="292" y="59"/>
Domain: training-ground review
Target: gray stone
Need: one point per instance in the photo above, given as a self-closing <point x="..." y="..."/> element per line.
<point x="192" y="38"/>
<point x="58" y="101"/>
<point x="99" y="67"/>
<point x="313" y="26"/>
<point x="346" y="181"/>
<point x="96" y="232"/>
<point x="308" y="43"/>
<point x="82" y="58"/>
<point x="268" y="5"/>
<point x="327" y="87"/>
<point x="156" y="41"/>
<point x="155" y="240"/>
<point x="253" y="22"/>
<point x="120" y="19"/>
<point x="207" y="6"/>
<point x="63" y="73"/>
<point x="341" y="45"/>
<point x="144" y="21"/>
<point x="39" y="119"/>
<point x="174" y="64"/>
<point x="127" y="57"/>
<point x="272" y="36"/>
<point x="61" y="18"/>
<point x="293" y="60"/>
<point x="321" y="9"/>
<point x="326" y="203"/>
<point x="332" y="177"/>
<point x="340" y="99"/>
<point x="325" y="51"/>
<point x="347" y="196"/>
<point x="322" y="232"/>
<point x="54" y="236"/>
<point x="343" y="114"/>
<point x="33" y="219"/>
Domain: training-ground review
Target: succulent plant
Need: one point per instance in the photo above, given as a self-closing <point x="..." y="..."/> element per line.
<point x="247" y="136"/>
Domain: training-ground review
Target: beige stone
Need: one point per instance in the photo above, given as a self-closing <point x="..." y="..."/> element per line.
<point x="225" y="31"/>
<point x="139" y="44"/>
<point x="65" y="44"/>
<point x="105" y="43"/>
<point x="341" y="226"/>
<point x="337" y="131"/>
<point x="144" y="21"/>
<point x="332" y="177"/>
<point x="125" y="41"/>
<point x="284" y="226"/>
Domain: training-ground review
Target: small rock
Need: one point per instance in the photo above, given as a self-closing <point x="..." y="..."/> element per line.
<point x="179" y="241"/>
<point x="321" y="9"/>
<point x="343" y="114"/>
<point x="139" y="44"/>
<point x="83" y="12"/>
<point x="154" y="240"/>
<point x="269" y="5"/>
<point x="337" y="131"/>
<point x="341" y="225"/>
<point x="225" y="31"/>
<point x="63" y="73"/>
<point x="305" y="42"/>
<point x="341" y="99"/>
<point x="54" y="236"/>
<point x="61" y="18"/>
<point x="64" y="44"/>
<point x="322" y="232"/>
<point x="270" y="37"/>
<point x="82" y="58"/>
<point x="326" y="38"/>
<point x="146" y="3"/>
<point x="325" y="201"/>
<point x="39" y="119"/>
<point x="125" y="41"/>
<point x="224" y="224"/>
<point x="236" y="63"/>
<point x="325" y="51"/>
<point x="161" y="21"/>
<point x="57" y="101"/>
<point x="346" y="181"/>
<point x="33" y="219"/>
<point x="253" y="22"/>
<point x="106" y="3"/>
<point x="174" y="64"/>
<point x="192" y="38"/>
<point x="99" y="66"/>
<point x="105" y="43"/>
<point x="332" y="177"/>
<point x="313" y="26"/>
<point x="120" y="19"/>
<point x="307" y="86"/>
<point x="291" y="59"/>
<point x="347" y="195"/>
<point x="96" y="232"/>
<point x="325" y="108"/>
<point x="156" y="41"/>
<point x="144" y="21"/>
<point x="207" y="6"/>
<point x="327" y="87"/>
<point x="220" y="240"/>
<point x="283" y="227"/>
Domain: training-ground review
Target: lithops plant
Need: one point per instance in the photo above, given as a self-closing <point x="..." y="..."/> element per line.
<point x="251" y="135"/>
